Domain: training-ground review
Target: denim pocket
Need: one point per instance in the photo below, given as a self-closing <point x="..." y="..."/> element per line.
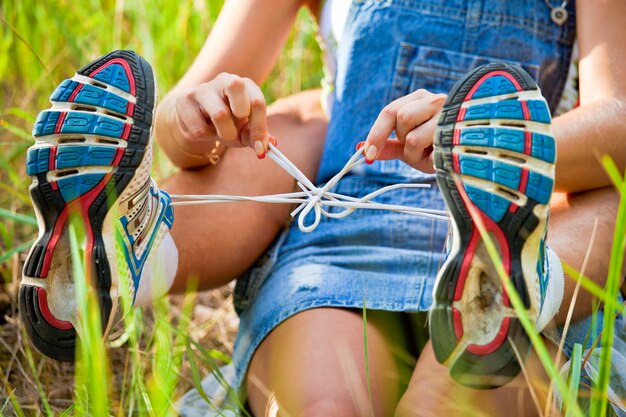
<point x="249" y="282"/>
<point x="435" y="70"/>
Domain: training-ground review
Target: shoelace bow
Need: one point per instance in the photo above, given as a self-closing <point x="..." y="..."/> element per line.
<point x="317" y="199"/>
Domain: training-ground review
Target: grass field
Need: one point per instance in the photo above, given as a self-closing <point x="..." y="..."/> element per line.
<point x="169" y="347"/>
<point x="42" y="43"/>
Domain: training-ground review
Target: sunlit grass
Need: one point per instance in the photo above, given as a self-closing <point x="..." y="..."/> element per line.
<point x="42" y="43"/>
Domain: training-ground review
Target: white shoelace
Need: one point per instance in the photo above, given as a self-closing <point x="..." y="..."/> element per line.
<point x="316" y="199"/>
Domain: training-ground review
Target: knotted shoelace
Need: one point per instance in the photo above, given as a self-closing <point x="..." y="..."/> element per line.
<point x="317" y="199"/>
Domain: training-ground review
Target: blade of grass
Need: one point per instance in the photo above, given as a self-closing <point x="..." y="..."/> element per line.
<point x="574" y="376"/>
<point x="593" y="288"/>
<point x="11" y="397"/>
<point x="197" y="379"/>
<point x="33" y="369"/>
<point x="599" y="402"/>
<point x="366" y="354"/>
<point x="21" y="218"/>
<point x="30" y="48"/>
<point x="19" y="248"/>
<point x="92" y="373"/>
<point x="572" y="304"/>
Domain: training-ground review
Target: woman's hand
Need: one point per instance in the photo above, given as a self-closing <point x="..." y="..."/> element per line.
<point x="229" y="108"/>
<point x="414" y="118"/>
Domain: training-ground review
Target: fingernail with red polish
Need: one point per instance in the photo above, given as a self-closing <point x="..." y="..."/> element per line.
<point x="370" y="154"/>
<point x="258" y="148"/>
<point x="273" y="140"/>
<point x="360" y="145"/>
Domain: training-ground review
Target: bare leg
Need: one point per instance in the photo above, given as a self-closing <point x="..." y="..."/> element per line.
<point x="432" y="392"/>
<point x="313" y="364"/>
<point x="218" y="242"/>
<point x="570" y="229"/>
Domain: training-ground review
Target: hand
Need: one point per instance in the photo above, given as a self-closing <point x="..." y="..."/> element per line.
<point x="414" y="118"/>
<point x="228" y="108"/>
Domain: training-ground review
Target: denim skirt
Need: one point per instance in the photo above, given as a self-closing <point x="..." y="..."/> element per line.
<point x="383" y="259"/>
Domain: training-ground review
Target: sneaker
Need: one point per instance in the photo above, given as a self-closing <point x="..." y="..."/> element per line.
<point x="494" y="159"/>
<point x="91" y="158"/>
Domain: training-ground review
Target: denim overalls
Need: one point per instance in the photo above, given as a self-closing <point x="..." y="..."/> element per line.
<point x="389" y="260"/>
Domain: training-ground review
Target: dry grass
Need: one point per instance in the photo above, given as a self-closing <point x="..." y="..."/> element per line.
<point x="214" y="325"/>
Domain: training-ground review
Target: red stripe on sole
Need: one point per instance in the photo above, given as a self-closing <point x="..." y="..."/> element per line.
<point x="458" y="323"/>
<point x="80" y="205"/>
<point x="455" y="163"/>
<point x="456" y="137"/>
<point x="60" y="120"/>
<point x="75" y="92"/>
<point x="127" y="70"/>
<point x="523" y="181"/>
<point x="495" y="343"/>
<point x="505" y="74"/>
<point x="119" y="153"/>
<point x="495" y="230"/>
<point x="130" y="109"/>
<point x="461" y="116"/>
<point x="42" y="301"/>
<point x="52" y="159"/>
<point x="126" y="131"/>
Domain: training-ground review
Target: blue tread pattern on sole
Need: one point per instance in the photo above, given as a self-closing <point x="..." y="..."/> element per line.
<point x="79" y="122"/>
<point x="494" y="171"/>
<point x="505" y="109"/>
<point x="539" y="111"/>
<point x="45" y="123"/>
<point x="492" y="205"/>
<point x="543" y="147"/>
<point x="539" y="187"/>
<point x="114" y="75"/>
<point x="90" y="95"/>
<point x="76" y="185"/>
<point x="76" y="156"/>
<point x="37" y="160"/>
<point x="63" y="91"/>
<point x="502" y="138"/>
<point x="494" y="86"/>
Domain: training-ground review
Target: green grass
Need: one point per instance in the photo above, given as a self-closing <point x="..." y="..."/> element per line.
<point x="43" y="42"/>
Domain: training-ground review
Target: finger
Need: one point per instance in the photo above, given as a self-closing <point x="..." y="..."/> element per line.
<point x="385" y="124"/>
<point x="426" y="165"/>
<point x="190" y="119"/>
<point x="393" y="149"/>
<point x="413" y="114"/>
<point x="257" y="124"/>
<point x="239" y="102"/>
<point x="221" y="117"/>
<point x="418" y="146"/>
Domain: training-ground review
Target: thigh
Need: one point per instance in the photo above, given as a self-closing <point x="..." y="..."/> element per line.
<point x="217" y="242"/>
<point x="570" y="231"/>
<point x="432" y="392"/>
<point x="314" y="364"/>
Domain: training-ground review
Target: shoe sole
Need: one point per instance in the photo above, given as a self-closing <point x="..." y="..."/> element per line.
<point x="494" y="156"/>
<point x="88" y="147"/>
